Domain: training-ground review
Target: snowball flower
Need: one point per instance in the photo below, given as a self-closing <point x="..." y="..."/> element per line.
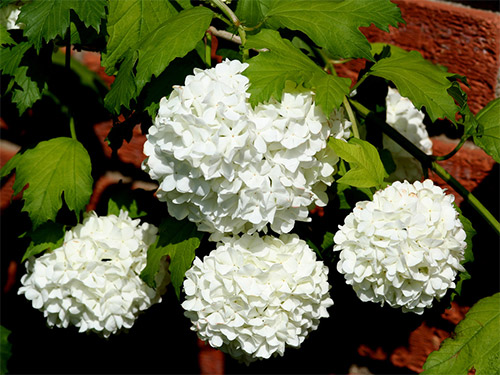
<point x="9" y="15"/>
<point x="408" y="120"/>
<point x="232" y="168"/>
<point x="252" y="296"/>
<point x="404" y="247"/>
<point x="92" y="281"/>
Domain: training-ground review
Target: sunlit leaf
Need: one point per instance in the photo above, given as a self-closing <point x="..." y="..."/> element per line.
<point x="178" y="240"/>
<point x="475" y="344"/>
<point x="60" y="165"/>
<point x="366" y="168"/>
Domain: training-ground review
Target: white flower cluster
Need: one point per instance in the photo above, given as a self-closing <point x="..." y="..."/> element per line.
<point x="404" y="117"/>
<point x="253" y="295"/>
<point x="232" y="168"/>
<point x="93" y="281"/>
<point x="404" y="247"/>
<point x="9" y="15"/>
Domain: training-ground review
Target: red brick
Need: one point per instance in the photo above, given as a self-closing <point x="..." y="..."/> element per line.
<point x="466" y="41"/>
<point x="130" y="152"/>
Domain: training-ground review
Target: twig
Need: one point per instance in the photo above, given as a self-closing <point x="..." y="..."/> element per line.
<point x="225" y="35"/>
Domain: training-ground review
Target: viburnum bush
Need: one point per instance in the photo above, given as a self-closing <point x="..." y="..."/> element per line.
<point x="249" y="131"/>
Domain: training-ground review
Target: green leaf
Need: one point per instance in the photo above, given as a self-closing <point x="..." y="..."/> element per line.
<point x="123" y="89"/>
<point x="419" y="80"/>
<point x="26" y="91"/>
<point x="330" y="91"/>
<point x="128" y="24"/>
<point x="175" y="38"/>
<point x="124" y="200"/>
<point x="489" y="125"/>
<point x="334" y="25"/>
<point x="5" y="349"/>
<point x="269" y="71"/>
<point x="175" y="74"/>
<point x="45" y="20"/>
<point x="475" y="345"/>
<point x="366" y="168"/>
<point x="327" y="241"/>
<point x="468" y="255"/>
<point x="178" y="240"/>
<point x="395" y="50"/>
<point x="60" y="165"/>
<point x="5" y="37"/>
<point x="48" y="236"/>
<point x="468" y="120"/>
<point x="10" y="57"/>
<point x="10" y="165"/>
<point x="251" y="12"/>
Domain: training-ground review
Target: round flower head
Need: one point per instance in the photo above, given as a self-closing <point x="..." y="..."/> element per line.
<point x="404" y="247"/>
<point x="253" y="296"/>
<point x="92" y="281"/>
<point x="232" y="168"/>
<point x="409" y="121"/>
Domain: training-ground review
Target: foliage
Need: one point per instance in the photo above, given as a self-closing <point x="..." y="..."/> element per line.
<point x="488" y="136"/>
<point x="150" y="45"/>
<point x="366" y="168"/>
<point x="5" y="349"/>
<point x="475" y="344"/>
<point x="178" y="240"/>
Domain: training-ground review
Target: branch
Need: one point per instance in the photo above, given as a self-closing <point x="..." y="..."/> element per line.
<point x="225" y="35"/>
<point x="428" y="162"/>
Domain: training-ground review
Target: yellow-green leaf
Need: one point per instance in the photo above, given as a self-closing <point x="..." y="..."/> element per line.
<point x="60" y="165"/>
<point x="475" y="344"/>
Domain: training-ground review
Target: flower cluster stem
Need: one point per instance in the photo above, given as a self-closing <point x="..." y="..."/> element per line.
<point x="428" y="162"/>
<point x="234" y="19"/>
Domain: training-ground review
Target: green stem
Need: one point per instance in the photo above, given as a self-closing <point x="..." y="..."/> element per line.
<point x="360" y="81"/>
<point x="223" y="19"/>
<point x="208" y="49"/>
<point x="454" y="151"/>
<point x="234" y="19"/>
<point x="72" y="128"/>
<point x="67" y="66"/>
<point x="467" y="195"/>
<point x="428" y="162"/>
<point x="352" y="117"/>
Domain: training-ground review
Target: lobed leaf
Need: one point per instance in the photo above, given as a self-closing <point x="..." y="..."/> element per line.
<point x="175" y="38"/>
<point x="178" y="240"/>
<point x="128" y="24"/>
<point x="123" y="88"/>
<point x="269" y="71"/>
<point x="489" y="125"/>
<point x="46" y="20"/>
<point x="334" y="25"/>
<point x="475" y="345"/>
<point x="419" y="80"/>
<point x="5" y="37"/>
<point x="60" y="165"/>
<point x="366" y="168"/>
